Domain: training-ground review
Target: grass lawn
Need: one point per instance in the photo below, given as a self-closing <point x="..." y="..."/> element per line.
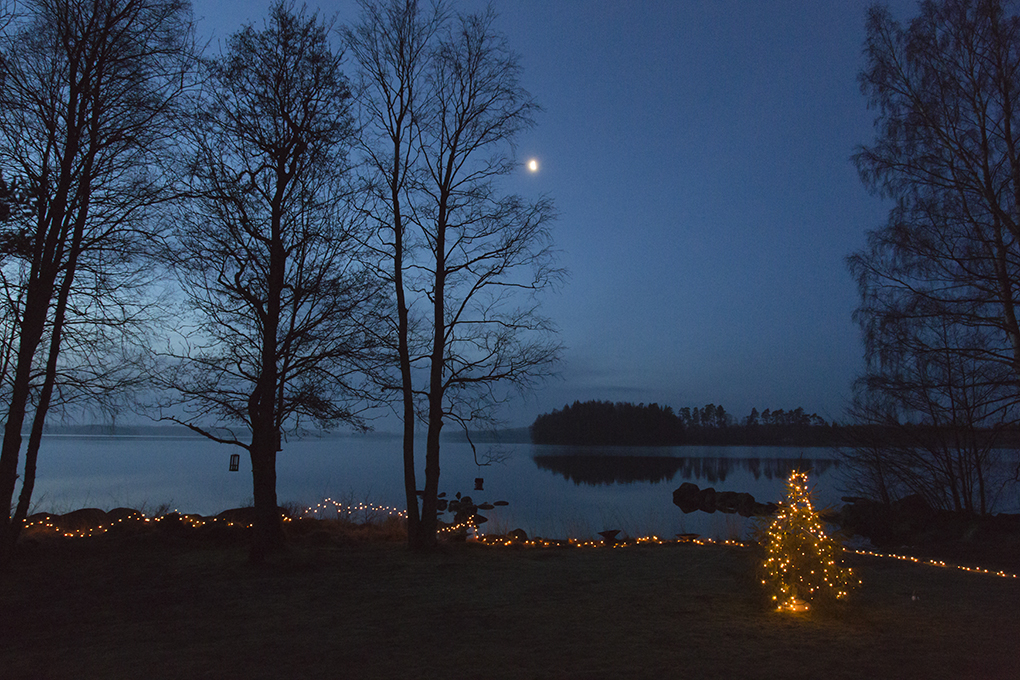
<point x="111" y="608"/>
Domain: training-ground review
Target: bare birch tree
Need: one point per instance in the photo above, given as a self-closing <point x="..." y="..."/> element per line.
<point x="939" y="283"/>
<point x="89" y="90"/>
<point x="393" y="45"/>
<point x="444" y="107"/>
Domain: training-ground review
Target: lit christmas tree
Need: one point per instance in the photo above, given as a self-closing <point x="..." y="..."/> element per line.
<point x="802" y="563"/>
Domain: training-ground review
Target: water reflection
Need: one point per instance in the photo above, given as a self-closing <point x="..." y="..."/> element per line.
<point x="606" y="469"/>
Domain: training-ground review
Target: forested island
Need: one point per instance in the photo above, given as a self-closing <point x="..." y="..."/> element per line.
<point x="605" y="423"/>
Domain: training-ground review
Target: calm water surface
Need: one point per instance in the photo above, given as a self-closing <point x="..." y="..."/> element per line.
<point x="552" y="491"/>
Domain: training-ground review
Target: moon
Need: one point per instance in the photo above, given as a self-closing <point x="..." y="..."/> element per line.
<point x="533" y="165"/>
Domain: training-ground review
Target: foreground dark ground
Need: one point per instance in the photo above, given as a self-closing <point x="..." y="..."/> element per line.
<point x="161" y="606"/>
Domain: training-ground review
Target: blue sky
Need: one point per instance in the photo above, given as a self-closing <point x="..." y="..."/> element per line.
<point x="698" y="153"/>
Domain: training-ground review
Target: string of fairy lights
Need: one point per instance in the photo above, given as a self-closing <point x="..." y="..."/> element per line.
<point x="340" y="510"/>
<point x="932" y="563"/>
<point x="330" y="509"/>
<point x="189" y="521"/>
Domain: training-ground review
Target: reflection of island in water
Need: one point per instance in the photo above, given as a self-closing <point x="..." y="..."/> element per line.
<point x="598" y="469"/>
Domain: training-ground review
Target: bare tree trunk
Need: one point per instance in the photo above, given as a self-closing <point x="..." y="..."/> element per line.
<point x="268" y="534"/>
<point x="268" y="529"/>
<point x="426" y="537"/>
<point x="410" y="484"/>
<point x="403" y="349"/>
<point x="47" y="252"/>
<point x="1005" y="294"/>
<point x="32" y="326"/>
<point x="430" y="497"/>
<point x="46" y="393"/>
<point x="979" y="471"/>
<point x="406" y="387"/>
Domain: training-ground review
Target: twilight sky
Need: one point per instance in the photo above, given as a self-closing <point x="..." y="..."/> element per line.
<point x="698" y="153"/>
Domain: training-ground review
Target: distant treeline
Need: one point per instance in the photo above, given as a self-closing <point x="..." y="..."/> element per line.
<point x="621" y="423"/>
<point x="606" y="423"/>
<point x="109" y="430"/>
<point x="772" y="427"/>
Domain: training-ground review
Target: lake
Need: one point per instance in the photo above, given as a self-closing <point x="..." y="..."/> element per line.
<point x="552" y="491"/>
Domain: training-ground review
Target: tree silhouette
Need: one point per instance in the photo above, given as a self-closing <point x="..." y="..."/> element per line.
<point x="938" y="283"/>
<point x="608" y="423"/>
<point x="479" y="256"/>
<point x="283" y="311"/>
<point x="86" y="110"/>
<point x="392" y="44"/>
